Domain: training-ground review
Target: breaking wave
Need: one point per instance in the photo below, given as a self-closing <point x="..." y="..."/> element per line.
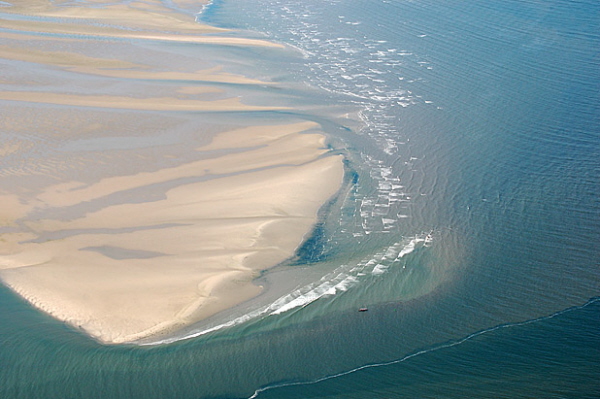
<point x="332" y="284"/>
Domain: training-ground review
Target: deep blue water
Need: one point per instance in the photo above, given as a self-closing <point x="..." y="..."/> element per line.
<point x="470" y="226"/>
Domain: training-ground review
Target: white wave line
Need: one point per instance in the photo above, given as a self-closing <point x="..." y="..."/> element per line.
<point x="429" y="350"/>
<point x="338" y="281"/>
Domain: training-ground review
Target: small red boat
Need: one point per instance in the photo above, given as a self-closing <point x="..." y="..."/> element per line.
<point x="363" y="309"/>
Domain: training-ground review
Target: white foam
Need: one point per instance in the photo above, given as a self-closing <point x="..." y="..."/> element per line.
<point x="330" y="284"/>
<point x="340" y="280"/>
<point x="379" y="269"/>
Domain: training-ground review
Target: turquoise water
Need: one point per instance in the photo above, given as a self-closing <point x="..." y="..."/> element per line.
<point x="470" y="225"/>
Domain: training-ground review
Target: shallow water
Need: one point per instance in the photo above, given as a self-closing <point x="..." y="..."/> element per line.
<point x="470" y="226"/>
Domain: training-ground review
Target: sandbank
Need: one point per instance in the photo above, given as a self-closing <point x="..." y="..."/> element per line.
<point x="207" y="240"/>
<point x="119" y="214"/>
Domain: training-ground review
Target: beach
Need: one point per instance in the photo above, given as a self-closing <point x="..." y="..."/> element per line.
<point x="124" y="213"/>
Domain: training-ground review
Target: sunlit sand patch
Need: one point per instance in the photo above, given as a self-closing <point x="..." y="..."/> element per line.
<point x="10" y="148"/>
<point x="210" y="75"/>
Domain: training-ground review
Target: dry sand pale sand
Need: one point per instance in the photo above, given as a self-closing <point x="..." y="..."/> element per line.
<point x="130" y="256"/>
<point x="131" y="270"/>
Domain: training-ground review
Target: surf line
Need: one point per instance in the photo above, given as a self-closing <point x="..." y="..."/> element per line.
<point x="448" y="344"/>
<point x="335" y="282"/>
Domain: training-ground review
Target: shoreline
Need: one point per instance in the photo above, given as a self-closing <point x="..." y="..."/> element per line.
<point x="125" y="240"/>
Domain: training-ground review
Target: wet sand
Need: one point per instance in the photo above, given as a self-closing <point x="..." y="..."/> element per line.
<point x="123" y="212"/>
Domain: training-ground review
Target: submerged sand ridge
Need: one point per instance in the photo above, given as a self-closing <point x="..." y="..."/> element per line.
<point x="122" y="212"/>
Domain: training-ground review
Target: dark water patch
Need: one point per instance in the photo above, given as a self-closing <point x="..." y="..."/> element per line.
<point x="318" y="247"/>
<point x="209" y="11"/>
<point x="313" y="249"/>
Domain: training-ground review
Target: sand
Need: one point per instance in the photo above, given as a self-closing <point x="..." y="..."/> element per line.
<point x="134" y="240"/>
<point x="145" y="20"/>
<point x="184" y="257"/>
<point x="128" y="102"/>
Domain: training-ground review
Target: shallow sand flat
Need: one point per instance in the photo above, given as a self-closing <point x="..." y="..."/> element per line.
<point x="149" y="20"/>
<point x="149" y="14"/>
<point x="73" y="28"/>
<point x="206" y="240"/>
<point x="58" y="58"/>
<point x="120" y="214"/>
<point x="111" y="67"/>
<point x="265" y="146"/>
<point x="133" y="103"/>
